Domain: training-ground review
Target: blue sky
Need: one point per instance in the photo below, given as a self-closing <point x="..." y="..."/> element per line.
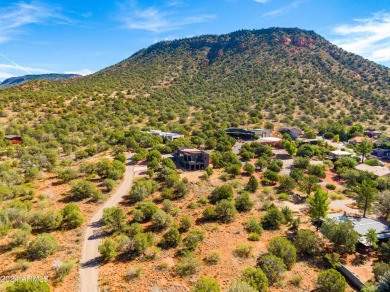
<point x="85" y="36"/>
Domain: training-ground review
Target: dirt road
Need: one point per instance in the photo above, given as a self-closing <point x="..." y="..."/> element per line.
<point x="89" y="269"/>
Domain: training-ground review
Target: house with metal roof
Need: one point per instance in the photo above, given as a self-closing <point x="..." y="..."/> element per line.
<point x="362" y="225"/>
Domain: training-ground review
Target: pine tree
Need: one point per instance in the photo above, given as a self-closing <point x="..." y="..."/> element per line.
<point x="318" y="205"/>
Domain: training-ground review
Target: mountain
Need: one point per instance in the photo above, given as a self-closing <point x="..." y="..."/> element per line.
<point x="13" y="81"/>
<point x="250" y="77"/>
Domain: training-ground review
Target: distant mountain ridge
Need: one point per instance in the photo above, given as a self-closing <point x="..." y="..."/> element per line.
<point x="13" y="81"/>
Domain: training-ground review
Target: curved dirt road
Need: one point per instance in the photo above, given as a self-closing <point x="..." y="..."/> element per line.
<point x="89" y="269"/>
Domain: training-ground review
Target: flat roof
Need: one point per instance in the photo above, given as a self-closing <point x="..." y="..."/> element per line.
<point x="376" y="170"/>
<point x="340" y="152"/>
<point x="270" y="139"/>
<point x="362" y="225"/>
<point x="189" y="149"/>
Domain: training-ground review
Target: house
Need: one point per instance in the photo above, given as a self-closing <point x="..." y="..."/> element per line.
<point x="376" y="170"/>
<point x="355" y="140"/>
<point x="372" y="133"/>
<point x="337" y="154"/>
<point x="362" y="225"/>
<point x="262" y="133"/>
<point x="15" y="139"/>
<point x="381" y="153"/>
<point x="167" y="136"/>
<point x="192" y="158"/>
<point x="240" y="133"/>
<point x="314" y="141"/>
<point x="293" y="132"/>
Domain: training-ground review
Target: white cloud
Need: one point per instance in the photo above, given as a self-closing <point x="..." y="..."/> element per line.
<point x="284" y="9"/>
<point x="155" y="20"/>
<point x="368" y="37"/>
<point x="7" y="71"/>
<point x="261" y="1"/>
<point x="80" y="72"/>
<point x="18" y="15"/>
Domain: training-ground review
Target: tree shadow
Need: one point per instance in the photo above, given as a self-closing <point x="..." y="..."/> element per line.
<point x="92" y="263"/>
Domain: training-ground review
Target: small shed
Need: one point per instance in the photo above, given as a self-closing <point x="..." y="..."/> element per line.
<point x="15" y="139"/>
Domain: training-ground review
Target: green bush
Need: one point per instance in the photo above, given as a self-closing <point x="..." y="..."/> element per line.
<point x="193" y="239"/>
<point x="243" y="202"/>
<point x="252" y="185"/>
<point x="284" y="249"/>
<point x="67" y="174"/>
<point x="307" y="242"/>
<point x="114" y="218"/>
<point x="188" y="265"/>
<point x="296" y="280"/>
<point x="253" y="225"/>
<point x="27" y="286"/>
<point x="226" y="211"/>
<point x="209" y="213"/>
<point x="147" y="208"/>
<point x="185" y="223"/>
<point x="83" y="189"/>
<point x="254" y="237"/>
<point x="108" y="249"/>
<point x="224" y="192"/>
<point x="213" y="257"/>
<point x="284" y="197"/>
<point x="42" y="246"/>
<point x="172" y="237"/>
<point x="141" y="241"/>
<point x="206" y="285"/>
<point x="161" y="220"/>
<point x="330" y="186"/>
<point x="63" y="270"/>
<point x="51" y="220"/>
<point x="243" y="250"/>
<point x="109" y="184"/>
<point x="241" y="286"/>
<point x="380" y="269"/>
<point x="273" y="218"/>
<point x="331" y="281"/>
<point x="256" y="278"/>
<point x="272" y="266"/>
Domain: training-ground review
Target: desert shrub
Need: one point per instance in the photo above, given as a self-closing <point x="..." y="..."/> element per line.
<point x="83" y="189"/>
<point x="243" y="202"/>
<point x="193" y="239"/>
<point x="205" y="284"/>
<point x="249" y="168"/>
<point x="274" y="167"/>
<point x="161" y="220"/>
<point x="224" y="192"/>
<point x="254" y="237"/>
<point x="209" y="170"/>
<point x="226" y="211"/>
<point x="20" y="237"/>
<point x="243" y="250"/>
<point x="21" y="286"/>
<point x="108" y="249"/>
<point x="256" y="278"/>
<point x="286" y="184"/>
<point x="384" y="282"/>
<point x="87" y="168"/>
<point x="284" y="197"/>
<point x="72" y="216"/>
<point x="333" y="259"/>
<point x="188" y="265"/>
<point x="284" y="249"/>
<point x="296" y="280"/>
<point x="380" y="269"/>
<point x="331" y="281"/>
<point x="330" y="186"/>
<point x="133" y="229"/>
<point x="133" y="273"/>
<point x="142" y="188"/>
<point x="253" y="225"/>
<point x="42" y="246"/>
<point x="114" y="218"/>
<point x="241" y="286"/>
<point x="270" y="177"/>
<point x="172" y="237"/>
<point x="167" y="162"/>
<point x="124" y="243"/>
<point x="233" y="169"/>
<point x="301" y="162"/>
<point x="152" y="253"/>
<point x="209" y="213"/>
<point x="185" y="223"/>
<point x="272" y="266"/>
<point x="62" y="270"/>
<point x="317" y="170"/>
<point x="109" y="184"/>
<point x="141" y="241"/>
<point x="252" y="185"/>
<point x="51" y="220"/>
<point x="31" y="174"/>
<point x="148" y="208"/>
<point x="67" y="174"/>
<point x="307" y="242"/>
<point x="213" y="257"/>
<point x="273" y="218"/>
<point x="120" y="157"/>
